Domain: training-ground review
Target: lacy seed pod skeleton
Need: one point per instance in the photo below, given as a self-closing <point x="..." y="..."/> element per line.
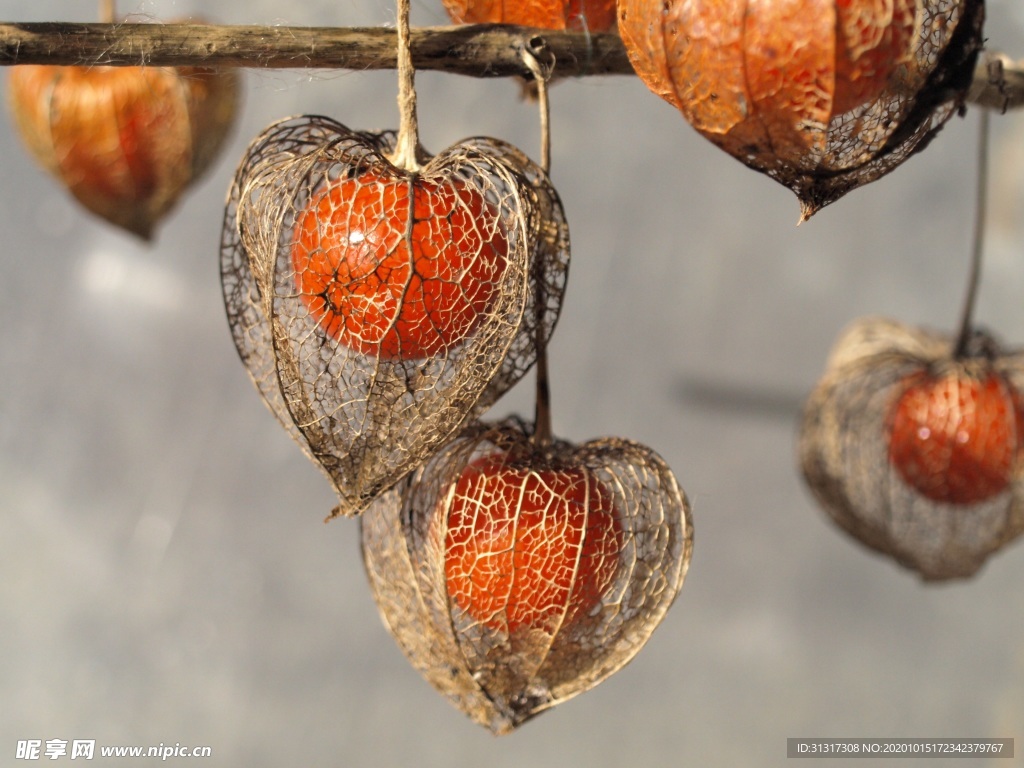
<point x="915" y="452"/>
<point x="822" y="96"/>
<point x="373" y="357"/>
<point x="515" y="576"/>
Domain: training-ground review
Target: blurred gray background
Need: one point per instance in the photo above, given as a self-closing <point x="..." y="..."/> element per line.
<point x="165" y="575"/>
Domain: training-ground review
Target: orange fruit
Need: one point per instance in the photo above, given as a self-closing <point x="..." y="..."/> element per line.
<point x="956" y="438"/>
<point x="389" y="293"/>
<point x="749" y="73"/>
<point x="526" y="548"/>
<point x="576" y="15"/>
<point x="126" y="141"/>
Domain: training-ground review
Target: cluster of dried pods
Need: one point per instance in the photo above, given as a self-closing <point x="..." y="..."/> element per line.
<point x="382" y="299"/>
<point x="912" y="440"/>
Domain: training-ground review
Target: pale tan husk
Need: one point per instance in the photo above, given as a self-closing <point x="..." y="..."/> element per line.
<point x="368" y="421"/>
<point x="845" y="460"/>
<point x="498" y="678"/>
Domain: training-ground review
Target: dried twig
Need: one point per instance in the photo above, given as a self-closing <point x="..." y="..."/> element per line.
<point x="481" y="50"/>
<point x="478" y="51"/>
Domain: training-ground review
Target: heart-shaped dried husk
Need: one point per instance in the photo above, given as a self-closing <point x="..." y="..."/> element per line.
<point x="362" y="411"/>
<point x="126" y="141"/>
<point x="822" y="95"/>
<point x="514" y="577"/>
<point x="960" y="496"/>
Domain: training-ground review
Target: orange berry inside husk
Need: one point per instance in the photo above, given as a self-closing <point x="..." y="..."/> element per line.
<point x="384" y="289"/>
<point x="956" y="438"/>
<point x="529" y="548"/>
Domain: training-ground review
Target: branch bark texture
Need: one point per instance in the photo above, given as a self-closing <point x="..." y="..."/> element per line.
<point x="482" y="50"/>
<point x="488" y="50"/>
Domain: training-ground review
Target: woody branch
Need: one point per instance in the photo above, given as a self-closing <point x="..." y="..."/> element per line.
<point x="482" y="50"/>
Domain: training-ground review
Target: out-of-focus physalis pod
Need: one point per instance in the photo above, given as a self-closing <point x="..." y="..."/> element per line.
<point x="377" y="308"/>
<point x="126" y="141"/>
<point x="917" y="452"/>
<point x="821" y="95"/>
<point x="515" y="576"/>
<point x="577" y="15"/>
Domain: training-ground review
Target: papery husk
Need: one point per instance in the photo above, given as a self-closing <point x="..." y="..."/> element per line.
<point x="502" y="677"/>
<point x="844" y="451"/>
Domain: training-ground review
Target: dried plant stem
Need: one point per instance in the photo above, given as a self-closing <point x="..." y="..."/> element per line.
<point x="475" y="50"/>
<point x="542" y="433"/>
<point x="998" y="82"/>
<point x="533" y="51"/>
<point x="108" y="11"/>
<point x="408" y="126"/>
<point x="978" y="239"/>
<point x="479" y="50"/>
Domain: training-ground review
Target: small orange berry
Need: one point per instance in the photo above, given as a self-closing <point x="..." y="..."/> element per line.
<point x="360" y="281"/>
<point x="526" y="547"/>
<point x="956" y="438"/>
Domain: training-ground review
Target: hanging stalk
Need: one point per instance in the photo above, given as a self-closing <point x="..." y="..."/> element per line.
<point x="978" y="241"/>
<point x="408" y="140"/>
<point x="542" y="433"/>
<point x="108" y="11"/>
<point x="408" y="127"/>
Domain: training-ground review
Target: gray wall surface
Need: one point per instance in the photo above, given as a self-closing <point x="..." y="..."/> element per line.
<point x="165" y="576"/>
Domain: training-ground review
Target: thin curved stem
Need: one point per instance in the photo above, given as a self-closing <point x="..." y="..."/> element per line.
<point x="978" y="240"/>
<point x="542" y="432"/>
<point x="537" y="48"/>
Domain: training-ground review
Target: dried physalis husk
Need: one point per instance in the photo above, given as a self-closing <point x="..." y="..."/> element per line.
<point x="576" y="15"/>
<point x="822" y="95"/>
<point x="376" y="309"/>
<point x="515" y="576"/>
<point x="915" y="452"/>
<point x="126" y="141"/>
